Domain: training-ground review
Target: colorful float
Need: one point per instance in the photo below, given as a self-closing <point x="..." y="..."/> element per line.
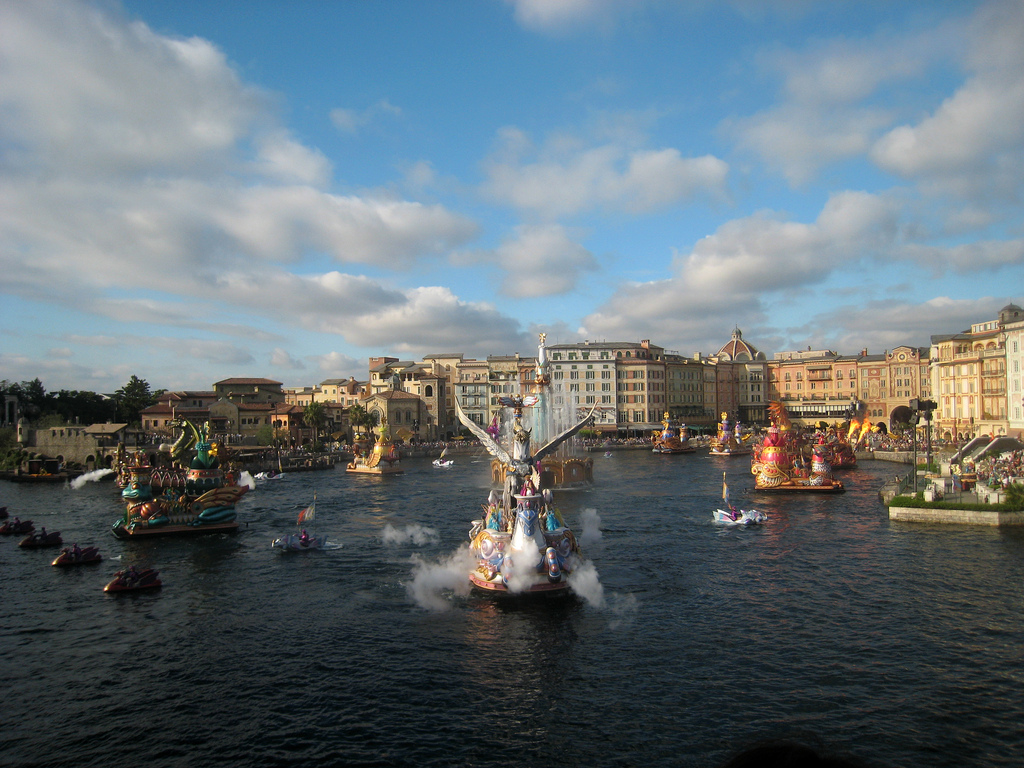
<point x="842" y="447"/>
<point x="778" y="464"/>
<point x="559" y="470"/>
<point x="522" y="545"/>
<point x="672" y="438"/>
<point x="729" y="441"/>
<point x="172" y="500"/>
<point x="383" y="458"/>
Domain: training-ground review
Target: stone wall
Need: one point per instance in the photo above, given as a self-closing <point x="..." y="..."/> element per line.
<point x="956" y="516"/>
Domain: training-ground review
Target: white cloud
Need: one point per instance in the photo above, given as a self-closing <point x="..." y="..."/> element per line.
<point x="564" y="15"/>
<point x="830" y="108"/>
<point x="542" y="261"/>
<point x="281" y="358"/>
<point x="351" y="121"/>
<point x="568" y="179"/>
<point x="731" y="276"/>
<point x="143" y="180"/>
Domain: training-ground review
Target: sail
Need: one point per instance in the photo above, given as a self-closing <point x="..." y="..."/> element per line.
<point x="725" y="491"/>
<point x="308" y="513"/>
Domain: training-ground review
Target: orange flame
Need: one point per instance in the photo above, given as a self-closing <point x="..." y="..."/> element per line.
<point x="854" y="426"/>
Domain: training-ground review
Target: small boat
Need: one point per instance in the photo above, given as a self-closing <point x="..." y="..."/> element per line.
<point x="75" y="555"/>
<point x="268" y="475"/>
<point x="733" y="516"/>
<point x="301" y="542"/>
<point x="41" y="539"/>
<point x="16" y="527"/>
<point x="739" y="516"/>
<point x="441" y="461"/>
<point x="130" y="579"/>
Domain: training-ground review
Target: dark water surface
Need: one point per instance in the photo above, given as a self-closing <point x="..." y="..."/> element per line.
<point x="898" y="644"/>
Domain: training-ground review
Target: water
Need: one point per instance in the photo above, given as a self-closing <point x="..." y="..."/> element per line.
<point x="897" y="644"/>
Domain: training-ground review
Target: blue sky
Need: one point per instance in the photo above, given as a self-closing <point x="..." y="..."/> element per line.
<point x="191" y="191"/>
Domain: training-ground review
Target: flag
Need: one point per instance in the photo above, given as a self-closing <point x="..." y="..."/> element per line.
<point x="957" y="485"/>
<point x="307" y="514"/>
<point x="725" y="490"/>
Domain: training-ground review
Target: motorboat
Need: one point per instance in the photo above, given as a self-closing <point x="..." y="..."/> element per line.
<point x="739" y="516"/>
<point x="16" y="527"/>
<point x="41" y="540"/>
<point x="130" y="579"/>
<point x="75" y="555"/>
<point x="299" y="542"/>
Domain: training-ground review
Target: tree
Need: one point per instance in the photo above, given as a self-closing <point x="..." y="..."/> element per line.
<point x="315" y="416"/>
<point x="132" y="398"/>
<point x="360" y="419"/>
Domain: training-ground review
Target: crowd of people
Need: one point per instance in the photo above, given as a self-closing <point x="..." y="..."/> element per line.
<point x="1001" y="471"/>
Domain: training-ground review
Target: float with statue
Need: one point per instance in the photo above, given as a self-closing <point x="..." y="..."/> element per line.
<point x="560" y="469"/>
<point x="729" y="441"/>
<point x="672" y="438"/>
<point x="383" y="458"/>
<point x="522" y="545"/>
<point x="842" y="447"/>
<point x="778" y="464"/>
<point x="169" y="500"/>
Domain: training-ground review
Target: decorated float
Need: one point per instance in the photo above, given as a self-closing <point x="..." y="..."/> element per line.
<point x="383" y="458"/>
<point x="842" y="447"/>
<point x="779" y="464"/>
<point x="559" y="469"/>
<point x="729" y="441"/>
<point x="167" y="500"/>
<point x="522" y="545"/>
<point x="672" y="438"/>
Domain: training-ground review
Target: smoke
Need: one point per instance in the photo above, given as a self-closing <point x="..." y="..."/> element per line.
<point x="590" y="523"/>
<point x="90" y="477"/>
<point x="623" y="608"/>
<point x="244" y="478"/>
<point x="524" y="567"/>
<point x="431" y="581"/>
<point x="411" y="534"/>
<point x="585" y="582"/>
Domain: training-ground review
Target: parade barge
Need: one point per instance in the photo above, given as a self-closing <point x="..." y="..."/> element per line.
<point x="173" y="501"/>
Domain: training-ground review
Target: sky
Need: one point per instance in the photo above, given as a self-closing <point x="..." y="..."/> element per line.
<point x="193" y="191"/>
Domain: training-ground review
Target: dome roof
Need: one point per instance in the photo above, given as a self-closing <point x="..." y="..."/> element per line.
<point x="739" y="350"/>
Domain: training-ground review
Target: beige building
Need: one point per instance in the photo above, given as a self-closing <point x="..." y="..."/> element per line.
<point x="970" y="377"/>
<point x="741" y="381"/>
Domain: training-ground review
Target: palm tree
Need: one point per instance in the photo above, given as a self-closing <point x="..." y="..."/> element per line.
<point x="361" y="419"/>
<point x="315" y="416"/>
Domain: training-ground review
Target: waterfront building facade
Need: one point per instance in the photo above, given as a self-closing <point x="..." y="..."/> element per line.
<point x="970" y="378"/>
<point x="419" y="379"/>
<point x="473" y="388"/>
<point x="690" y="391"/>
<point x="741" y="379"/>
<point x="815" y="385"/>
<point x="1014" y="330"/>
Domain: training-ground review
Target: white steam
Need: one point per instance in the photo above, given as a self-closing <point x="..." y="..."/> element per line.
<point x="585" y="582"/>
<point x="432" y="581"/>
<point x="411" y="534"/>
<point x="90" y="477"/>
<point x="590" y="524"/>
